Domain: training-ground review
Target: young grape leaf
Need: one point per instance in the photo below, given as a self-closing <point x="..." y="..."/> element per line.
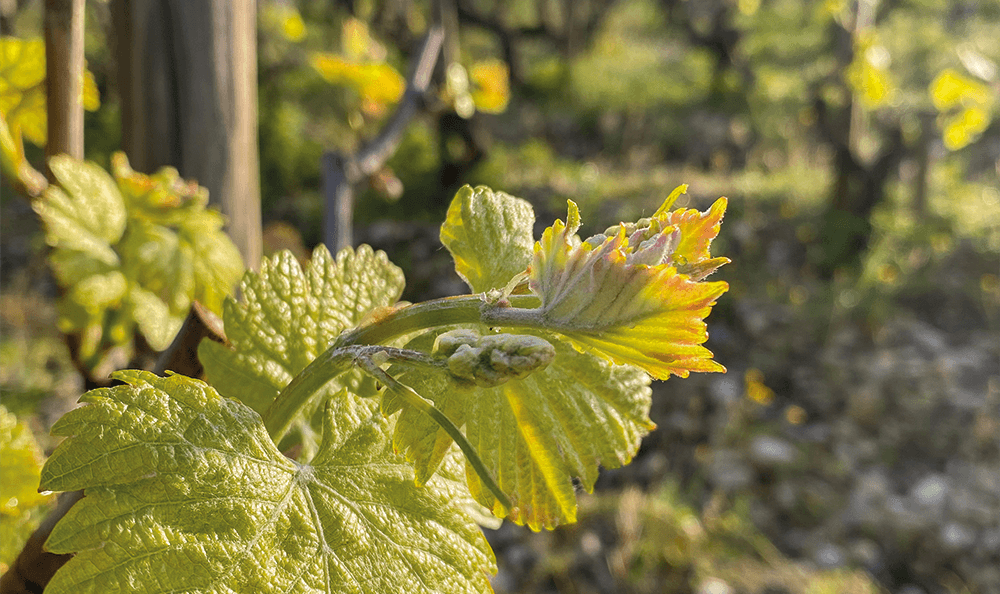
<point x="23" y="91"/>
<point x="136" y="258"/>
<point x="288" y="316"/>
<point x="22" y="87"/>
<point x="186" y="492"/>
<point x="89" y="216"/>
<point x="633" y="294"/>
<point x="175" y="246"/>
<point x="22" y="507"/>
<point x="489" y="235"/>
<point x="533" y="434"/>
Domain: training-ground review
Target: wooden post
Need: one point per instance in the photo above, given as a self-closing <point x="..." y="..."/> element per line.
<point x="64" y="77"/>
<point x="188" y="76"/>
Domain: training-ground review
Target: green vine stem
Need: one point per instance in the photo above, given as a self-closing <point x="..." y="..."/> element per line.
<point x="341" y="356"/>
<point x="362" y="346"/>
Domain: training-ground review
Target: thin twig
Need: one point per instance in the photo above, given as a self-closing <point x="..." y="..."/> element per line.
<point x="341" y="173"/>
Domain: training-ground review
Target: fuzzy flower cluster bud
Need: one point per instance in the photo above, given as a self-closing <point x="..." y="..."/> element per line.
<point x="493" y="359"/>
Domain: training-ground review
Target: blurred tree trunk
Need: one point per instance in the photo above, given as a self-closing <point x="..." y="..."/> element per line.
<point x="188" y="78"/>
<point x="860" y="178"/>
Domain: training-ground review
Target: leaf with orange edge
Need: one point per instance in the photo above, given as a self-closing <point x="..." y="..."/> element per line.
<point x="626" y="296"/>
<point x="617" y="300"/>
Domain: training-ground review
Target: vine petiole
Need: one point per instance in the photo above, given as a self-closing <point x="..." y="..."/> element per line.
<point x="427" y="407"/>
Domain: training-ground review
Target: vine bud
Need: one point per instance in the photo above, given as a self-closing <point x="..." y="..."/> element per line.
<point x="493" y="359"/>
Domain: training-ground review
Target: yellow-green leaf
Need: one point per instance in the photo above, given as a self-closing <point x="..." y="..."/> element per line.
<point x="375" y="82"/>
<point x="289" y="315"/>
<point x="491" y="85"/>
<point x="633" y="294"/>
<point x="965" y="105"/>
<point x="533" y="434"/>
<point x="186" y="492"/>
<point x="89" y="216"/>
<point x="14" y="165"/>
<point x="489" y="235"/>
<point x="22" y="507"/>
<point x="23" y="91"/>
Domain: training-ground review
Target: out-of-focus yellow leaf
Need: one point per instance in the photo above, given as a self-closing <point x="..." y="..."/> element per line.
<point x="748" y="7"/>
<point x="951" y="91"/>
<point x="91" y="96"/>
<point x="292" y="25"/>
<point x="868" y="75"/>
<point x="15" y="166"/>
<point x="965" y="127"/>
<point x="358" y="44"/>
<point x="22" y="465"/>
<point x="22" y="88"/>
<point x="355" y="38"/>
<point x="491" y="90"/>
<point x="19" y="474"/>
<point x="283" y="20"/>
<point x="377" y="83"/>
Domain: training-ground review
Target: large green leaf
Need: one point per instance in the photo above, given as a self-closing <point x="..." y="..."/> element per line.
<point x="489" y="235"/>
<point x="534" y="434"/>
<point x="186" y="492"/>
<point x="288" y="316"/>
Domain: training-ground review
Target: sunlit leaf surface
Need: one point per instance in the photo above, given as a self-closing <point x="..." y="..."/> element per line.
<point x="489" y="235"/>
<point x="535" y="434"/>
<point x="186" y="492"/>
<point x="289" y="314"/>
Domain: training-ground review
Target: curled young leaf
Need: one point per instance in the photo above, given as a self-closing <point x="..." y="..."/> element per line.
<point x="634" y="294"/>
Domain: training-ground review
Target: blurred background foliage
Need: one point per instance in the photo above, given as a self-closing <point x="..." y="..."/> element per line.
<point x="858" y="142"/>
